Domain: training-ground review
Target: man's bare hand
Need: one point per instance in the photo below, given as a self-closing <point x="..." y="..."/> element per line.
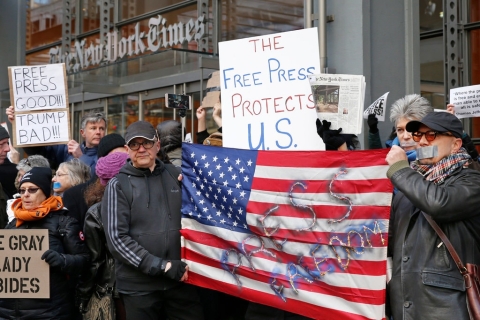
<point x="185" y="275"/>
<point x="201" y="113"/>
<point x="74" y="149"/>
<point x="10" y="112"/>
<point x="395" y="154"/>
<point x="451" y="108"/>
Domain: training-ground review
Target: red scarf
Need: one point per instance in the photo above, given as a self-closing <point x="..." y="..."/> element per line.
<point x="52" y="203"/>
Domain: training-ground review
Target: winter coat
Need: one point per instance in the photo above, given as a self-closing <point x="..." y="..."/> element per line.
<point x="101" y="271"/>
<point x="64" y="237"/>
<point x="142" y="227"/>
<point x="426" y="283"/>
<point x="59" y="153"/>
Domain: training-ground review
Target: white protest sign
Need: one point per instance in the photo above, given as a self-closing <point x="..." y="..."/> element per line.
<point x="35" y="88"/>
<point x="377" y="108"/>
<point x="39" y="96"/>
<point x="41" y="127"/>
<point x="23" y="273"/>
<point x="466" y="101"/>
<point x="267" y="103"/>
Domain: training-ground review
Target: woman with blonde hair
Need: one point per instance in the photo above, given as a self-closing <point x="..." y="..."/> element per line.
<point x="69" y="174"/>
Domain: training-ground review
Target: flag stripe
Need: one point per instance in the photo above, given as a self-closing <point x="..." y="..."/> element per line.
<point x="311" y="174"/>
<point x="290" y="247"/>
<point x="315" y="305"/>
<point x="321" y="186"/>
<point x="374" y="297"/>
<point x="327" y="211"/>
<point x="326" y="159"/>
<point x="363" y="199"/>
<point x="358" y="240"/>
<point x="355" y="266"/>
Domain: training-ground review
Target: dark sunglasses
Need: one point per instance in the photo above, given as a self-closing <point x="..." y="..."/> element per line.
<point x="147" y="144"/>
<point x="429" y="135"/>
<point x="29" y="190"/>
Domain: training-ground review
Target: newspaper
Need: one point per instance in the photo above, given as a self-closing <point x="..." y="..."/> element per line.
<point x="339" y="99"/>
<point x="377" y="108"/>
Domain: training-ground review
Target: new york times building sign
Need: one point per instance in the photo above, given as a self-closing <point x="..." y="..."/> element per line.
<point x="160" y="35"/>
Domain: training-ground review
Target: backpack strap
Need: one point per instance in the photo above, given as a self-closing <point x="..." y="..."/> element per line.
<point x="173" y="171"/>
<point x="126" y="186"/>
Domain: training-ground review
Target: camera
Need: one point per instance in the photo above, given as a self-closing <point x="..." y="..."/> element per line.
<point x="178" y="101"/>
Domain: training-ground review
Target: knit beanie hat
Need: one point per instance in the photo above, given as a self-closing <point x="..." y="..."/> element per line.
<point x="39" y="176"/>
<point x="108" y="166"/>
<point x="108" y="143"/>
<point x="3" y="133"/>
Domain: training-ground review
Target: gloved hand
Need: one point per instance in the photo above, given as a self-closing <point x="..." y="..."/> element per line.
<point x="82" y="304"/>
<point x="332" y="139"/>
<point x="54" y="259"/>
<point x="322" y="127"/>
<point x="177" y="269"/>
<point x="468" y="144"/>
<point x="372" y="123"/>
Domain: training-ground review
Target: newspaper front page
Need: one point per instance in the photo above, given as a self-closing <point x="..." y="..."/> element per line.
<point x="339" y="98"/>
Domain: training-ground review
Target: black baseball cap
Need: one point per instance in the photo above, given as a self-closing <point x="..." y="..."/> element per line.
<point x="140" y="129"/>
<point x="440" y="122"/>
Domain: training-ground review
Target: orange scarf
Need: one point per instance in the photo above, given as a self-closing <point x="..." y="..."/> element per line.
<point x="52" y="203"/>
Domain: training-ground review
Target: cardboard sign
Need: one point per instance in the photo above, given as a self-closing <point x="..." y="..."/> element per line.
<point x="213" y="90"/>
<point x="23" y="274"/>
<point x="39" y="96"/>
<point x="466" y="101"/>
<point x="40" y="128"/>
<point x="267" y="103"/>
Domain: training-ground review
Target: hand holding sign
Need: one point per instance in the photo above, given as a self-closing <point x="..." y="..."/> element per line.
<point x="74" y="149"/>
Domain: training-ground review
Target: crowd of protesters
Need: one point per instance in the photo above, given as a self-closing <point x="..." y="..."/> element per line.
<point x="117" y="203"/>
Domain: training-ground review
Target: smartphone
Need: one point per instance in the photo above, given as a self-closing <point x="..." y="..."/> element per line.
<point x="178" y="101"/>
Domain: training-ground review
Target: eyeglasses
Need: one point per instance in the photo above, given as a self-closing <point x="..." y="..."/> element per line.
<point x="147" y="144"/>
<point x="29" y="190"/>
<point x="429" y="135"/>
<point x="58" y="175"/>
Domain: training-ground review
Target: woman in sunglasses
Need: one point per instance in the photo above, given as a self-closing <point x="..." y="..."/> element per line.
<point x="67" y="254"/>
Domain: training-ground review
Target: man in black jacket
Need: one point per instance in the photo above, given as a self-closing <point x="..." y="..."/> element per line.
<point x="142" y="220"/>
<point x="4" y="148"/>
<point x="426" y="283"/>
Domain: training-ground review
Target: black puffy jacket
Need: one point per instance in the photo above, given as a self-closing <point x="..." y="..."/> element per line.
<point x="65" y="237"/>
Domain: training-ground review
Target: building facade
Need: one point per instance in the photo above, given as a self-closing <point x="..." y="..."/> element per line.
<point x="123" y="56"/>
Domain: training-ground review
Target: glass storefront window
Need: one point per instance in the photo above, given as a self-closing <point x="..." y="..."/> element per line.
<point x="38" y="57"/>
<point x="432" y="71"/>
<point x="474" y="10"/>
<point x="431" y="15"/>
<point x="91" y="15"/>
<point x="44" y="22"/>
<point x="243" y="19"/>
<point x="475" y="72"/>
<point x="122" y="111"/>
<point x="131" y="8"/>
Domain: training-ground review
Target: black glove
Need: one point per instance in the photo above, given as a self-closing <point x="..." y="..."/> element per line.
<point x="372" y="123"/>
<point x="177" y="269"/>
<point x="469" y="146"/>
<point x="332" y="139"/>
<point x="82" y="304"/>
<point x="54" y="259"/>
<point x="322" y="127"/>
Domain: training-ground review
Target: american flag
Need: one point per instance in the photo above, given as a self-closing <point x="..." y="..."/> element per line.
<point x="303" y="231"/>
